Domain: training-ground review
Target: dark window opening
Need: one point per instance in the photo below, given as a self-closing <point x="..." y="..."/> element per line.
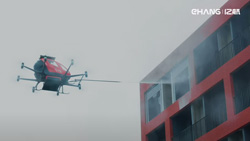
<point x="241" y="29"/>
<point x="240" y="135"/>
<point x="198" y="109"/>
<point x="231" y="38"/>
<point x="158" y="134"/>
<point x="205" y="58"/>
<point x="198" y="120"/>
<point x="224" y="35"/>
<point x="246" y="132"/>
<point x="237" y="136"/>
<point x="241" y="22"/>
<point x="215" y="106"/>
<point x="182" y="125"/>
<point x="154" y="104"/>
<point x="225" y="47"/>
<point x="241" y="80"/>
<point x="204" y="114"/>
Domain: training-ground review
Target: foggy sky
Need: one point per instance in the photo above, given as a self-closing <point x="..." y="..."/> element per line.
<point x="112" y="40"/>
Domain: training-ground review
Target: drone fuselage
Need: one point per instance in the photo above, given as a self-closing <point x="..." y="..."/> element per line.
<point x="52" y="73"/>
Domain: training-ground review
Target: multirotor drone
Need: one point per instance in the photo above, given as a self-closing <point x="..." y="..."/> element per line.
<point x="53" y="74"/>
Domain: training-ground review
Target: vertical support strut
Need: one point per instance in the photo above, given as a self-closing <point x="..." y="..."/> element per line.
<point x="35" y="87"/>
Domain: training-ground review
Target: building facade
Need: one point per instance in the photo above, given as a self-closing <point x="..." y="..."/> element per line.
<point x="201" y="91"/>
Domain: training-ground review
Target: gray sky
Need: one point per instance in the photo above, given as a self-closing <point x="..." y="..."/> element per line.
<point x="112" y="39"/>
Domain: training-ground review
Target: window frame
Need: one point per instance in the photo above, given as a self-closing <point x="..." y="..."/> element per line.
<point x="175" y="72"/>
<point x="203" y="109"/>
<point x="219" y="32"/>
<point x="152" y="92"/>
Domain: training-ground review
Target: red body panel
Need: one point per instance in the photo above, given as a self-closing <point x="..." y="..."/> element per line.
<point x="55" y="67"/>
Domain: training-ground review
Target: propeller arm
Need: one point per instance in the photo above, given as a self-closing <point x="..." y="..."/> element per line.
<point x="27" y="79"/>
<point x="23" y="66"/>
<point x="111" y="81"/>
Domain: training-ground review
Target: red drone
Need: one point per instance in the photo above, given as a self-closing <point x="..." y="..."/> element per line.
<point x="53" y="74"/>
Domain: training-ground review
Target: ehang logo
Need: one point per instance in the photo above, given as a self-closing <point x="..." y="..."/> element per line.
<point x="215" y="11"/>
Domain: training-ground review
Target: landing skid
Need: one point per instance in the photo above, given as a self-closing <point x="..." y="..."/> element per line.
<point x="62" y="92"/>
<point x="35" y="87"/>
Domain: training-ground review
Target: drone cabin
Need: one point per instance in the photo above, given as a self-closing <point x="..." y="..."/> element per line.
<point x="51" y="74"/>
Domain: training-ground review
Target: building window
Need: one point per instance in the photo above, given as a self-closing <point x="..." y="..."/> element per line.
<point x="158" y="134"/>
<point x="205" y="58"/>
<point x="171" y="87"/>
<point x="182" y="128"/>
<point x="154" y="102"/>
<point x="241" y="29"/>
<point x="215" y="51"/>
<point x="167" y="91"/>
<point x="240" y="135"/>
<point x="215" y="106"/>
<point x="246" y="133"/>
<point x="241" y="22"/>
<point x="166" y="85"/>
<point x="241" y="80"/>
<point x="230" y="39"/>
<point x="204" y="114"/>
<point x="237" y="136"/>
<point x="176" y="83"/>
<point x="225" y="45"/>
<point x="224" y="35"/>
<point x="198" y="117"/>
<point x="180" y="82"/>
